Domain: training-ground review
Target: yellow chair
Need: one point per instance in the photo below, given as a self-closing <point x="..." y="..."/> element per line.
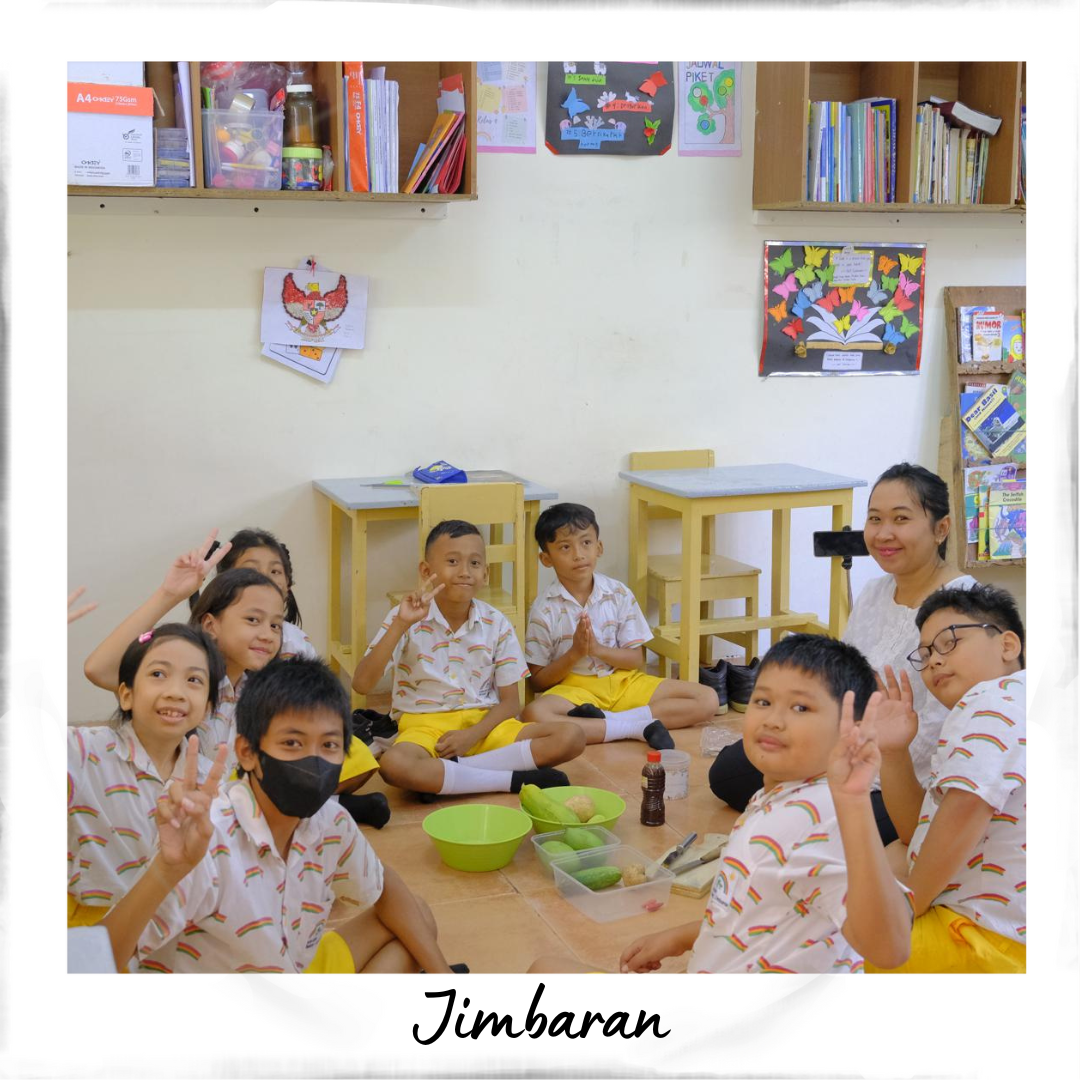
<point x="495" y="506"/>
<point x="721" y="578"/>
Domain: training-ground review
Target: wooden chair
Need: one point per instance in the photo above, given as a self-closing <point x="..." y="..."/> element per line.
<point x="495" y="506"/>
<point x="721" y="578"/>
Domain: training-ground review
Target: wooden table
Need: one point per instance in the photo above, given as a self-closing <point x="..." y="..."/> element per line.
<point x="697" y="494"/>
<point x="366" y="500"/>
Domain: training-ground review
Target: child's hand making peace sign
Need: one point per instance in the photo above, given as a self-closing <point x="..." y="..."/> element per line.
<point x="188" y="572"/>
<point x="417" y="604"/>
<point x="183" y="812"/>
<point x="855" y="759"/>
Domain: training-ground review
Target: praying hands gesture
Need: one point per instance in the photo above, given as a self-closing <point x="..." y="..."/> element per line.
<point x="896" y="719"/>
<point x="855" y="759"/>
<point x="583" y="642"/>
<point x="417" y="605"/>
<point x="188" y="572"/>
<point x="183" y="812"/>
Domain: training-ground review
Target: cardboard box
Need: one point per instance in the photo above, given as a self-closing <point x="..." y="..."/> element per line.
<point x="110" y="135"/>
<point x="111" y="72"/>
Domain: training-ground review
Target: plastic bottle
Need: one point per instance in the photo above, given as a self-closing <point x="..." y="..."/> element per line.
<point x="652" y="790"/>
<point x="300" y="116"/>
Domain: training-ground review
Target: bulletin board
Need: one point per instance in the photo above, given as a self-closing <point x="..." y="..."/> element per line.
<point x="608" y="107"/>
<point x="842" y="308"/>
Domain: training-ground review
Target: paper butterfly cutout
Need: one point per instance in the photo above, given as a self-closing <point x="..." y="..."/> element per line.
<point x="779" y="313"/>
<point x="805" y="274"/>
<point x="907" y="328"/>
<point x="848" y="294"/>
<point x="798" y="309"/>
<point x="892" y="335"/>
<point x="826" y="274"/>
<point x="889" y="311"/>
<point x="885" y="264"/>
<point x="909" y="264"/>
<point x="793" y="329"/>
<point x="889" y="283"/>
<point x="830" y="302"/>
<point x="907" y="285"/>
<point x="786" y="287"/>
<point x="813" y="292"/>
<point x="782" y="263"/>
<point x="813" y="255"/>
<point x="901" y="301"/>
<point x="650" y="130"/>
<point x="843" y="325"/>
<point x="858" y="311"/>
<point x="876" y="295"/>
<point x="653" y="83"/>
<point x="573" y="104"/>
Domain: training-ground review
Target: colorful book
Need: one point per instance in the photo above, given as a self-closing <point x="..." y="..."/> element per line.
<point x="356" y="169"/>
<point x="445" y="125"/>
<point x="1012" y="339"/>
<point x="994" y="421"/>
<point x="986" y="327"/>
<point x="983" y="547"/>
<point x="972" y="452"/>
<point x="975" y="479"/>
<point x="1006" y="521"/>
<point x="963" y="329"/>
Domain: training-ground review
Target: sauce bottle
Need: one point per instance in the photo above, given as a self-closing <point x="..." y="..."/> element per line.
<point x="300" y="116"/>
<point x="652" y="790"/>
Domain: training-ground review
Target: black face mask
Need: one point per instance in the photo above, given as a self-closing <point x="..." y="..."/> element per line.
<point x="298" y="788"/>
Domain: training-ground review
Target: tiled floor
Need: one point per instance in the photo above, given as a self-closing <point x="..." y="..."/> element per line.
<point x="502" y="920"/>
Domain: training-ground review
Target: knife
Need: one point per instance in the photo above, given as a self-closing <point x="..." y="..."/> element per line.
<point x="679" y="851"/>
<point x="694" y="864"/>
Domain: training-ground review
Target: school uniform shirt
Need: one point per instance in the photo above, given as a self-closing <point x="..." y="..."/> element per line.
<point x="294" y="642"/>
<point x="777" y="904"/>
<point x="983" y="749"/>
<point x="616" y="618"/>
<point x="221" y="726"/>
<point x="113" y="788"/>
<point x="244" y="908"/>
<point x="437" y="669"/>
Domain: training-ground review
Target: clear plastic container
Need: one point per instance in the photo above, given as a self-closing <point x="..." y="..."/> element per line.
<point x="301" y="168"/>
<point x="242" y="149"/>
<point x="676" y="773"/>
<point x="618" y="901"/>
<point x="609" y="840"/>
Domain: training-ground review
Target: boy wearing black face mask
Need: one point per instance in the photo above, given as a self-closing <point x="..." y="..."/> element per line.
<point x="247" y="882"/>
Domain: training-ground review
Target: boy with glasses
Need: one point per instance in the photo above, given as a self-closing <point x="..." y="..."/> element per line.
<point x="966" y="834"/>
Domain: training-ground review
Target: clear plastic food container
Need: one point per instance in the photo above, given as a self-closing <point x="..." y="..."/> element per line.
<point x="617" y="901"/>
<point x="242" y="149"/>
<point x="608" y="841"/>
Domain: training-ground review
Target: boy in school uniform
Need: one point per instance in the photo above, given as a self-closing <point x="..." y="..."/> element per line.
<point x="456" y="666"/>
<point x="584" y="645"/>
<point x="967" y="832"/>
<point x="247" y="881"/>
<point x="783" y="899"/>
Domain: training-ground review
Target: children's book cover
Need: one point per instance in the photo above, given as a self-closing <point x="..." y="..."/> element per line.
<point x="963" y="329"/>
<point x="974" y="479"/>
<point x="986" y="337"/>
<point x="998" y="426"/>
<point x="1012" y="339"/>
<point x="983" y="548"/>
<point x="1007" y="520"/>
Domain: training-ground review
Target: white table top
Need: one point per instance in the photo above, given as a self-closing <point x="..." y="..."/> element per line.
<point x="723" y="480"/>
<point x="373" y="492"/>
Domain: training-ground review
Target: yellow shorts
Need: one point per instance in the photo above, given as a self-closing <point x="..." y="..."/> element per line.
<point x="332" y="957"/>
<point x="944" y="941"/>
<point x="426" y="729"/>
<point x="617" y="692"/>
<point x="85" y="914"/>
<point x="358" y="760"/>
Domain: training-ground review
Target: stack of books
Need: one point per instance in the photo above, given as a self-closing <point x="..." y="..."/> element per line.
<point x="172" y="158"/>
<point x="952" y="150"/>
<point x="988" y="336"/>
<point x="439" y="162"/>
<point x="381" y="105"/>
<point x="852" y="151"/>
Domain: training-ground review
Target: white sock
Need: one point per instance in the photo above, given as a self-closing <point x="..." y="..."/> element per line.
<point x="459" y="780"/>
<point x="629" y="724"/>
<point x="517" y="755"/>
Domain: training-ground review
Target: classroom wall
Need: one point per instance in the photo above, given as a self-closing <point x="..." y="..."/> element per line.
<point x="579" y="310"/>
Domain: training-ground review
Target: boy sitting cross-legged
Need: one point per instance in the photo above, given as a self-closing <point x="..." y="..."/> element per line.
<point x="584" y="645"/>
<point x="246" y="882"/>
<point x="967" y="832"/>
<point x="456" y="665"/>
<point x="783" y="899"/>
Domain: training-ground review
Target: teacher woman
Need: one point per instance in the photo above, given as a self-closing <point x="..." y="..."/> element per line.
<point x="907" y="530"/>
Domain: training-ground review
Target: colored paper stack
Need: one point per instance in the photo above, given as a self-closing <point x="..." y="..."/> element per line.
<point x="172" y="158"/>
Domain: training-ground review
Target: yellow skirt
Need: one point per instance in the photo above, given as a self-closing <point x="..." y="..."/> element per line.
<point x="617" y="692"/>
<point x="945" y="942"/>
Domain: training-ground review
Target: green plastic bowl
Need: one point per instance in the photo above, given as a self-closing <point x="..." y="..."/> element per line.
<point x="477" y="836"/>
<point x="609" y="806"/>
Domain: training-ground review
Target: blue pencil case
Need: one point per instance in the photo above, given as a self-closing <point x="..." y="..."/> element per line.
<point x="440" y="472"/>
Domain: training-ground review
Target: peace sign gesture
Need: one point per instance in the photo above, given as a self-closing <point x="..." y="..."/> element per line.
<point x="183" y="811"/>
<point x="855" y="759"/>
<point x="417" y="604"/>
<point x="188" y="572"/>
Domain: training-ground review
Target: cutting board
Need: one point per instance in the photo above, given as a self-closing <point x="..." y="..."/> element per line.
<point x="697" y="882"/>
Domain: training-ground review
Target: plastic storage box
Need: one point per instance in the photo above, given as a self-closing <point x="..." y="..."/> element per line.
<point x="242" y="149"/>
<point x="610" y="840"/>
<point x="618" y="901"/>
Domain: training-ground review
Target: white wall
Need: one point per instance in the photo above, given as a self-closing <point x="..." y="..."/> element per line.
<point x="579" y="310"/>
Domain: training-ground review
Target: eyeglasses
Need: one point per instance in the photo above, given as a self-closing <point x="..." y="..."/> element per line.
<point x="944" y="643"/>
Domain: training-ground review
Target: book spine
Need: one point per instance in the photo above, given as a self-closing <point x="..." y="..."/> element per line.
<point x="916" y="194"/>
<point x="356" y="172"/>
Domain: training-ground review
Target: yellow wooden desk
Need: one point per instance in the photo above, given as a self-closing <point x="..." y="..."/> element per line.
<point x="697" y="494"/>
<point x="365" y="500"/>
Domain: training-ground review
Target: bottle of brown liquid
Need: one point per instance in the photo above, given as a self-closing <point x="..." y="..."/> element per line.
<point x="652" y="790"/>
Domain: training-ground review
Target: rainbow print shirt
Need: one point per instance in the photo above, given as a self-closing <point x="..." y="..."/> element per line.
<point x="439" y="670"/>
<point x="983" y="749"/>
<point x="294" y="642"/>
<point x="113" y="787"/>
<point x="221" y="726"/>
<point x="777" y="904"/>
<point x="616" y="618"/>
<point x="244" y="908"/>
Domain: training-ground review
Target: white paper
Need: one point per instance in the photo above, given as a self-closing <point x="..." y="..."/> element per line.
<point x="711" y="129"/>
<point x="314" y="316"/>
<point x="839" y="360"/>
<point x="183" y="70"/>
<point x="322" y="367"/>
<point x="851" y="267"/>
<point x="506" y="107"/>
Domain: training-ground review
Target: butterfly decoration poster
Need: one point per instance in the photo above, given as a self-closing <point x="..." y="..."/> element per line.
<point x="609" y="107"/>
<point x="842" y="308"/>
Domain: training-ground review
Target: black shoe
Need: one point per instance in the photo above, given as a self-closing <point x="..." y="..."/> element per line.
<point x="717" y="677"/>
<point x="658" y="736"/>
<point x="542" y="778"/>
<point x="587" y="711"/>
<point x="369" y="725"/>
<point x="372" y="809"/>
<point x="740" y="683"/>
<point x="461" y="969"/>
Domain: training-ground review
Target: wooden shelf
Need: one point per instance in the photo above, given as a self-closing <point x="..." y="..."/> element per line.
<point x="781" y="139"/>
<point x="419" y="83"/>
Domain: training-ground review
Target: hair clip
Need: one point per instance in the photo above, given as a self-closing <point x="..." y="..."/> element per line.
<point x="144" y="638"/>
